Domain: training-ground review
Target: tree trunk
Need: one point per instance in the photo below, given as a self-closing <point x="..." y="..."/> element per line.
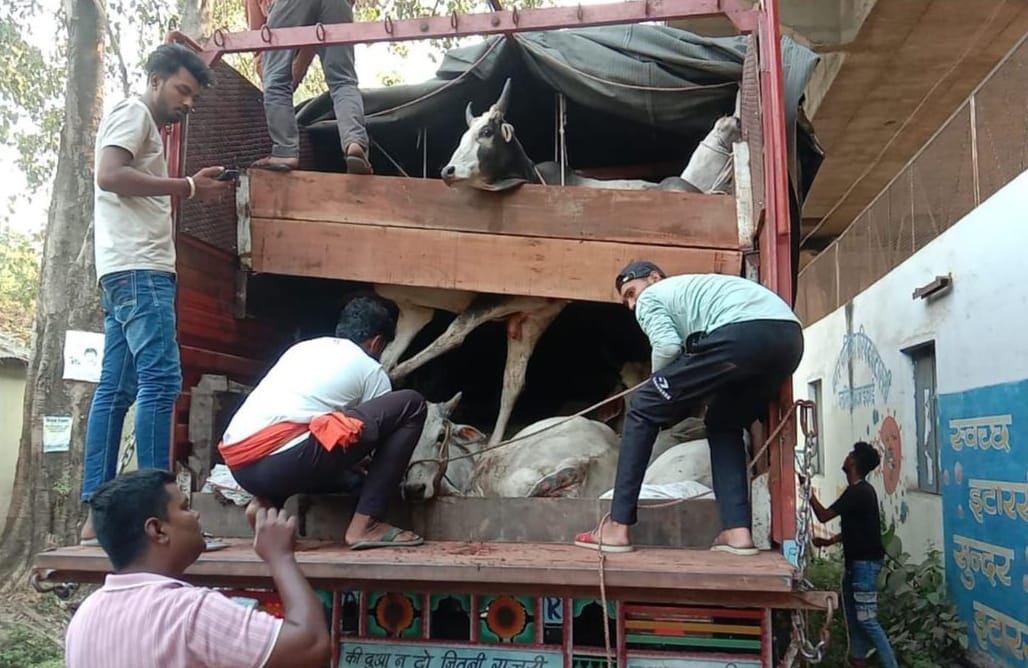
<point x="45" y="508"/>
<point x="195" y="18"/>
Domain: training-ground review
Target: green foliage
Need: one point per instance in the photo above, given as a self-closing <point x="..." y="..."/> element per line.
<point x="230" y="15"/>
<point x="22" y="647"/>
<point x="825" y="574"/>
<point x="915" y="609"/>
<point x="19" y="283"/>
<point x="30" y="93"/>
<point x="378" y="10"/>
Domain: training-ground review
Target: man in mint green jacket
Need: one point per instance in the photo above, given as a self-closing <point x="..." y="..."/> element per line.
<point x="723" y="341"/>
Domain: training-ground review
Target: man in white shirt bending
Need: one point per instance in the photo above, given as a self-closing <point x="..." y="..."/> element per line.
<point x="722" y="341"/>
<point x="325" y="405"/>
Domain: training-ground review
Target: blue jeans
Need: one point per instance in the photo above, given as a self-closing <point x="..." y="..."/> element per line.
<point x="860" y="603"/>
<point x="141" y="365"/>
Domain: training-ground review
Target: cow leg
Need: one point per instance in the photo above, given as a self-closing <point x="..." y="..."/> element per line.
<point x="523" y="332"/>
<point x="463" y="324"/>
<point x="412" y="320"/>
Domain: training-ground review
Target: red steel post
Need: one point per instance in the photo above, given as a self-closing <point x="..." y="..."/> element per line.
<point x="486" y="23"/>
<point x="776" y="257"/>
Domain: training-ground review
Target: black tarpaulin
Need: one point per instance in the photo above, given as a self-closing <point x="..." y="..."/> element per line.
<point x="638" y="94"/>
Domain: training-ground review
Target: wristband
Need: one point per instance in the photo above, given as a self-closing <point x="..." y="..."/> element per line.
<point x="192" y="187"/>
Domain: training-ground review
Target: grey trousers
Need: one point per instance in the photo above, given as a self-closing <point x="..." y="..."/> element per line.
<point x="336" y="61"/>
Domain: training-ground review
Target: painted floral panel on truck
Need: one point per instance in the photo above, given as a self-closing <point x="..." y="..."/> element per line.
<point x="413" y="630"/>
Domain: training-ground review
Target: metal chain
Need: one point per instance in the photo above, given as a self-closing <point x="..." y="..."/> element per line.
<point x="800" y="642"/>
<point x="130" y="451"/>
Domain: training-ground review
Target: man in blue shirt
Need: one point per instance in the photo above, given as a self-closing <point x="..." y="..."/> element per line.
<point x="722" y="342"/>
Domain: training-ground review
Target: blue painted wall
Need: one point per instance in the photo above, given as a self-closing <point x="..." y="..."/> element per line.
<point x="984" y="444"/>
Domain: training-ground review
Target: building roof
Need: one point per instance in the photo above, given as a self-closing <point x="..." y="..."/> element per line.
<point x="11" y="349"/>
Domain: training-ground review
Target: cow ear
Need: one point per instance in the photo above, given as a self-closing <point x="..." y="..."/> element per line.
<point x="507" y="130"/>
<point x="466" y="432"/>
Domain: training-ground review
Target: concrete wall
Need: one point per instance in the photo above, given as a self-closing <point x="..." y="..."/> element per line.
<point x="12" y="396"/>
<point x="981" y="365"/>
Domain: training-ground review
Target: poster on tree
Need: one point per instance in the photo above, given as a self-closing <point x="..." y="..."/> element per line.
<point x="83" y="356"/>
<point x="56" y="433"/>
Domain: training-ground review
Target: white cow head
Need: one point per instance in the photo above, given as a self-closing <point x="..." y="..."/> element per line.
<point x="711" y="167"/>
<point x="488" y="156"/>
<point x="430" y="472"/>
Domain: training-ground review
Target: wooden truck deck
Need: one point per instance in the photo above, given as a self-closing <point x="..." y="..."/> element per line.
<point x="647" y="575"/>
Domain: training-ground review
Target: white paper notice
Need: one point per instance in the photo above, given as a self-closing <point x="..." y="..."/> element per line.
<point x="56" y="434"/>
<point x="83" y="355"/>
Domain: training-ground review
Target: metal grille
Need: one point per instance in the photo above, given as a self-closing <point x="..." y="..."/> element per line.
<point x="227" y="127"/>
<point x="1001" y="108"/>
<point x="890" y="222"/>
<point x="752" y="127"/>
<point x="943" y="180"/>
<point x="855" y="259"/>
<point x="820" y="287"/>
<point x="933" y="191"/>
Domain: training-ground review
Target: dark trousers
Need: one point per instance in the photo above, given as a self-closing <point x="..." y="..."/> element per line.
<point x="392" y="427"/>
<point x="736" y="370"/>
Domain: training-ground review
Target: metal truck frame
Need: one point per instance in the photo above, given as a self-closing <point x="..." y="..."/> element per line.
<point x="674" y="595"/>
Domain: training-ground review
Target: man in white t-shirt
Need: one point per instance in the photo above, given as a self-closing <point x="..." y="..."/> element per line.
<point x="325" y="406"/>
<point x="135" y="265"/>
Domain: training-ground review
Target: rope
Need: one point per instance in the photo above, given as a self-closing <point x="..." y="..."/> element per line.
<point x="503" y="444"/>
<point x="602" y="560"/>
<point x="453" y="82"/>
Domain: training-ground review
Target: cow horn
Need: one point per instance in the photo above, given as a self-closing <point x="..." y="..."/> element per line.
<point x="468" y="116"/>
<point x="501" y="104"/>
<point x="448" y="407"/>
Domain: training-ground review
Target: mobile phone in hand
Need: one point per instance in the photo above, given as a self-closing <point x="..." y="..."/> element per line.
<point x="230" y="174"/>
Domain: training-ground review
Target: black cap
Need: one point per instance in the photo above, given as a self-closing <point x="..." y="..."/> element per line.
<point x="637" y="269"/>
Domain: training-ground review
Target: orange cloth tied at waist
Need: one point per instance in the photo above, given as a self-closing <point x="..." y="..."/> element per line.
<point x="331" y="430"/>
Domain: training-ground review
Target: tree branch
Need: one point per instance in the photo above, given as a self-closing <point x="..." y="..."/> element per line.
<point x="115" y="46"/>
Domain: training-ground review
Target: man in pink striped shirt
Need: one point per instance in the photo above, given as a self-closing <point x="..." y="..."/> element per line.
<point x="144" y="616"/>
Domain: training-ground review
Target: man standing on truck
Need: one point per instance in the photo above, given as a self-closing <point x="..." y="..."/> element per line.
<point x="721" y="341"/>
<point x="340" y="74"/>
<point x="325" y="406"/>
<point x="135" y="265"/>
<point x="257" y="17"/>
<point x="863" y="553"/>
<point x="144" y="615"/>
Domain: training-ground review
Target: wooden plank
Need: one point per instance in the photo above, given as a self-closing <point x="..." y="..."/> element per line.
<point x="233" y="366"/>
<point x="690" y="641"/>
<point x="661" y="628"/>
<point x="526" y="266"/>
<point x="630" y="216"/>
<point x="653" y="611"/>
<point x="489" y="567"/>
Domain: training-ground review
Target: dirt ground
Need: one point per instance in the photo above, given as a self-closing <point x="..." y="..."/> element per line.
<point x="32" y="627"/>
